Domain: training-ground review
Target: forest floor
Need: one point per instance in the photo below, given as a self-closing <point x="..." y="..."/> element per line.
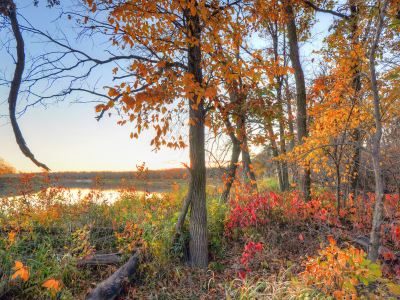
<point x="265" y="245"/>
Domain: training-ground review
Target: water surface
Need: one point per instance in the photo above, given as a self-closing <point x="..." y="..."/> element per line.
<point x="78" y="189"/>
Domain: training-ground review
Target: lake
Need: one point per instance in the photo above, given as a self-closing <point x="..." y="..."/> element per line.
<point x="80" y="188"/>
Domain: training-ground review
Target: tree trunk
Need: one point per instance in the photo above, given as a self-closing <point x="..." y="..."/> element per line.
<point x="338" y="186"/>
<point x="234" y="161"/>
<point x="301" y="98"/>
<point x="275" y="154"/>
<point x="373" y="252"/>
<point x="182" y="217"/>
<point x="355" y="170"/>
<point x="198" y="212"/>
<point x="293" y="166"/>
<point x="249" y="176"/>
<point x="282" y="165"/>
<point x="247" y="167"/>
<point x="290" y="113"/>
<point x="356" y="135"/>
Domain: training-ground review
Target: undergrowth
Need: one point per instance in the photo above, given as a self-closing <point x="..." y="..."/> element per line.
<point x="268" y="245"/>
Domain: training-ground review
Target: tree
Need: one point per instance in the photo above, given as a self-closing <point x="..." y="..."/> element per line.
<point x="352" y="104"/>
<point x="274" y="29"/>
<point x="373" y="251"/>
<point x="174" y="53"/>
<point x="301" y="95"/>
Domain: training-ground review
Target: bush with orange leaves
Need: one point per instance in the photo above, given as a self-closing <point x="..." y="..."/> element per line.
<point x="345" y="274"/>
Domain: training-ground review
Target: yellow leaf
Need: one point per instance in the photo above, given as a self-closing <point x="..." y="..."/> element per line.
<point x="372" y="296"/>
<point x="110" y="104"/>
<point x="394" y="288"/>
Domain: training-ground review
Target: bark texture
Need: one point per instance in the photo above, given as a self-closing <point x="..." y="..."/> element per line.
<point x="373" y="252"/>
<point x="234" y="160"/>
<point x="290" y="113"/>
<point x="112" y="287"/>
<point x="249" y="175"/>
<point x="247" y="169"/>
<point x="301" y="97"/>
<point x="282" y="165"/>
<point x="356" y="134"/>
<point x="198" y="212"/>
<point x="101" y="259"/>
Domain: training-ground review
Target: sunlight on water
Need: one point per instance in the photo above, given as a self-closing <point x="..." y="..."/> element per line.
<point x="108" y="196"/>
<point x="74" y="195"/>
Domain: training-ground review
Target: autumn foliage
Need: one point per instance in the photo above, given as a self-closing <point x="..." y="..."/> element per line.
<point x="221" y="78"/>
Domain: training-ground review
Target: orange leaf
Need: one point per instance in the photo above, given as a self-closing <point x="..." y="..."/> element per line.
<point x="338" y="295"/>
<point x="18" y="265"/>
<point x="21" y="271"/>
<point x="54" y="285"/>
<point x="354" y="281"/>
<point x="99" y="107"/>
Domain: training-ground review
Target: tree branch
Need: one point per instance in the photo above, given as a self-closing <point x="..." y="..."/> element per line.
<point x="327" y="11"/>
<point x="15" y="85"/>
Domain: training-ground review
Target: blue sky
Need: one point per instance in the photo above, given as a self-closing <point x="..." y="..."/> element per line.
<point x="66" y="136"/>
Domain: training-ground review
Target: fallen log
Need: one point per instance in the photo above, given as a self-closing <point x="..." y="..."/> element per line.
<point x="101" y="259"/>
<point x="111" y="288"/>
<point x="364" y="241"/>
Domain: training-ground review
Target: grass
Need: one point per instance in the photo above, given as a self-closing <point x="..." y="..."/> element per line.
<point x="269" y="184"/>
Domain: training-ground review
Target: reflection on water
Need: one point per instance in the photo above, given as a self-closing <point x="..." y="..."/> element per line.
<point x="78" y="189"/>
